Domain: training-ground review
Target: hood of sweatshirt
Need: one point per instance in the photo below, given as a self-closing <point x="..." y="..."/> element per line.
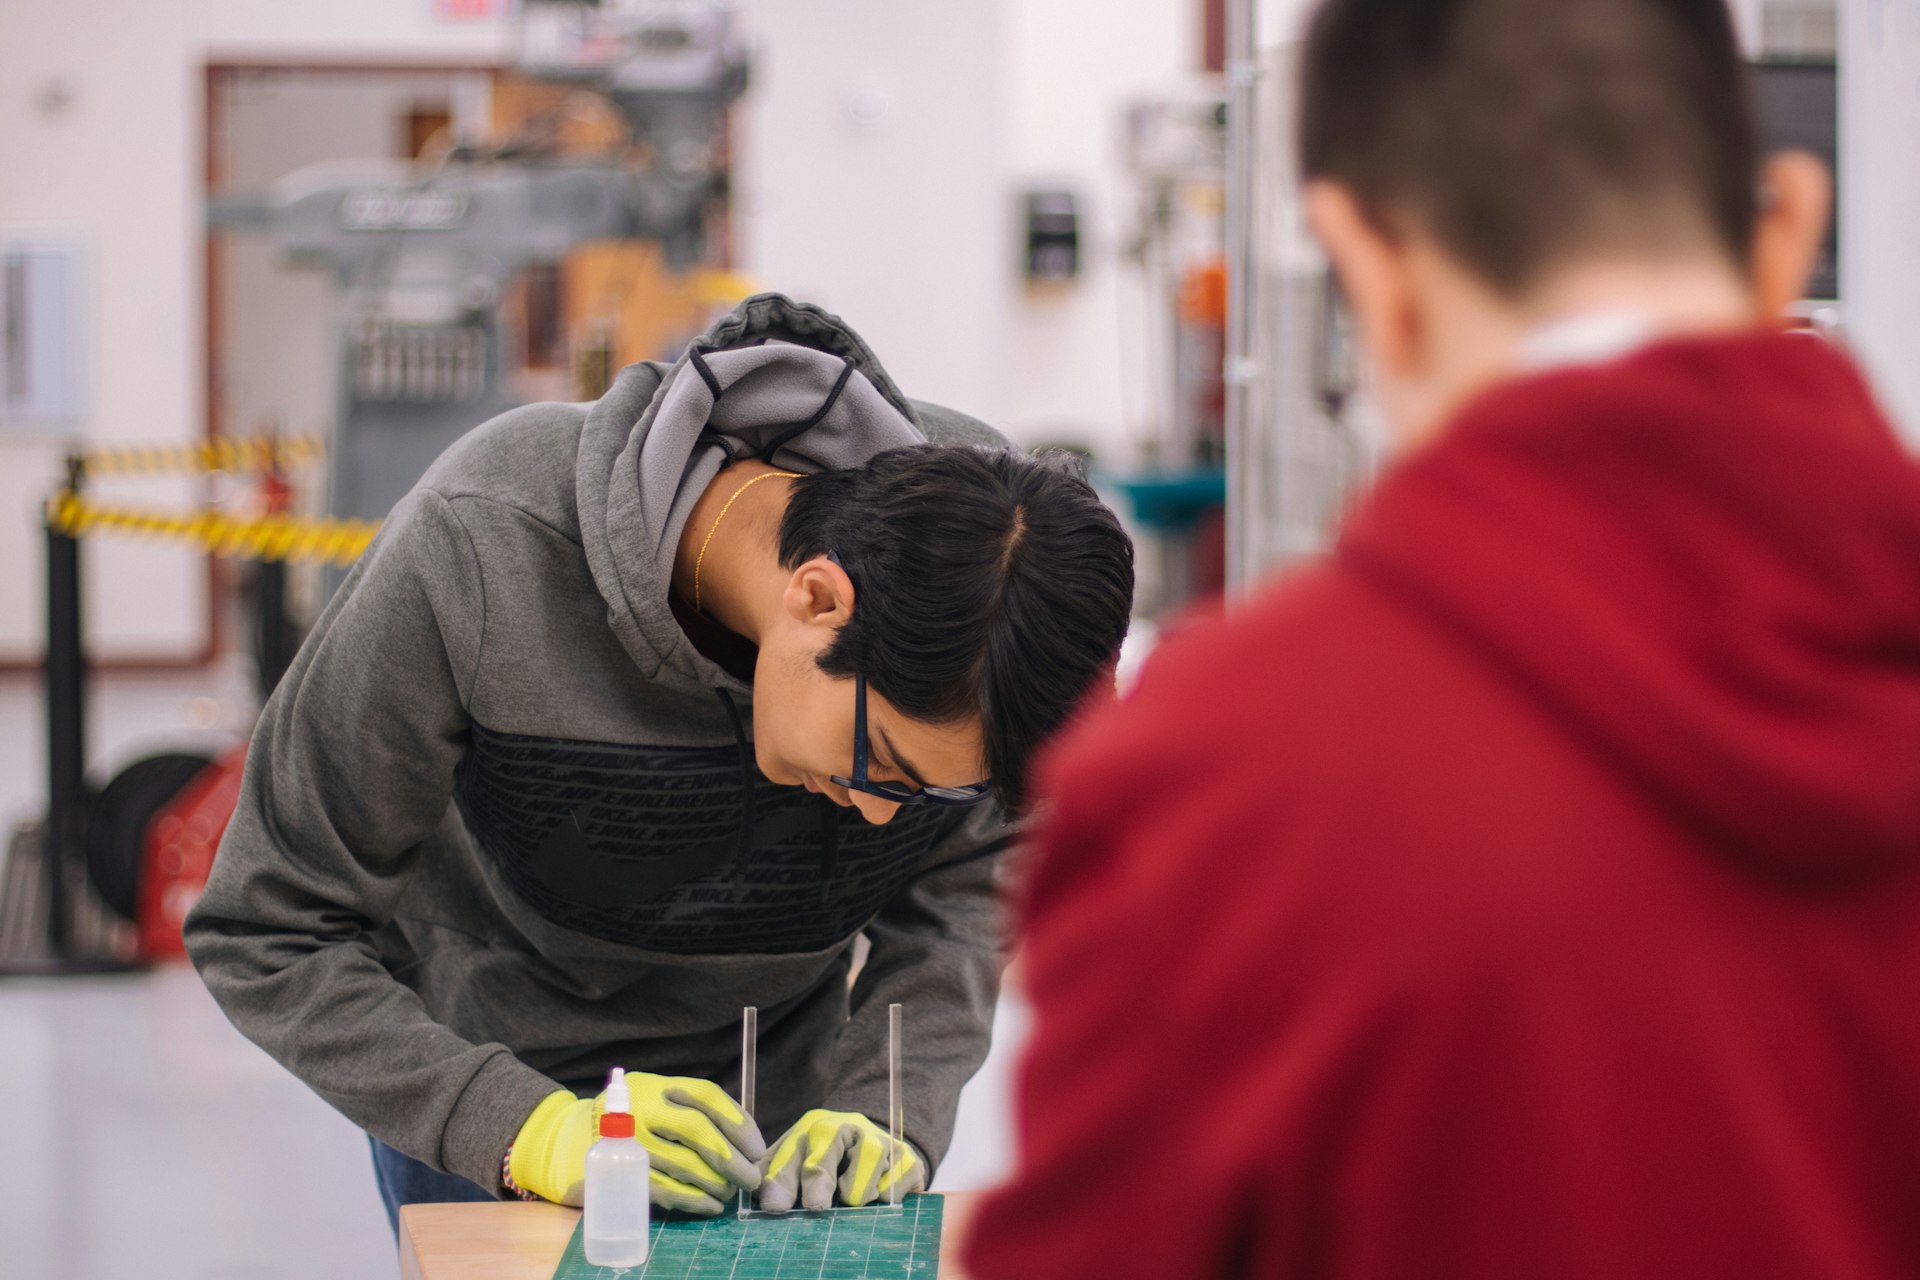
<point x="775" y="379"/>
<point x="1704" y="561"/>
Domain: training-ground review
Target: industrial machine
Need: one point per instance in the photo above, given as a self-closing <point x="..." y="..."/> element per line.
<point x="1261" y="426"/>
<point x="1175" y="150"/>
<point x="422" y="256"/>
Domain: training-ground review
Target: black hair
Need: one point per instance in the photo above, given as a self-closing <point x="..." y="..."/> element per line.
<point x="1522" y="133"/>
<point x="986" y="582"/>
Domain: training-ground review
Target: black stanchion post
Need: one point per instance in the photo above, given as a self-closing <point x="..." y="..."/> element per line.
<point x="66" y="690"/>
<point x="273" y="634"/>
<point x="276" y="632"/>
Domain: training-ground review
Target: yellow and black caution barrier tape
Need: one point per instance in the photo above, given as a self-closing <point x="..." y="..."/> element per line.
<point x="222" y="453"/>
<point x="267" y="537"/>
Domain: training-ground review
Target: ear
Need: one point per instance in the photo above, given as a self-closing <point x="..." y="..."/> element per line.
<point x="1796" y="200"/>
<point x="819" y="592"/>
<point x="1374" y="273"/>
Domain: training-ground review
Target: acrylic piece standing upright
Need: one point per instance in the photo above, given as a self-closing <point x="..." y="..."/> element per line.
<point x="749" y="1068"/>
<point x="896" y="1108"/>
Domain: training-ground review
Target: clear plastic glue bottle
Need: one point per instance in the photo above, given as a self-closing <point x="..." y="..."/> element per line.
<point x="618" y="1196"/>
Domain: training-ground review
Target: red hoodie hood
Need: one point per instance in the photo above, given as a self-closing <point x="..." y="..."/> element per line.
<point x="1704" y="561"/>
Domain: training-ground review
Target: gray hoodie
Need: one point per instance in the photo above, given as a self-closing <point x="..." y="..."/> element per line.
<point x="501" y="830"/>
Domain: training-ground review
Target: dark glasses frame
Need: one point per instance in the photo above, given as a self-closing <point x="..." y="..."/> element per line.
<point x="894" y="792"/>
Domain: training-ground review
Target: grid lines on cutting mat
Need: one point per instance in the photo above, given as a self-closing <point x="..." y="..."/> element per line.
<point x="871" y="1244"/>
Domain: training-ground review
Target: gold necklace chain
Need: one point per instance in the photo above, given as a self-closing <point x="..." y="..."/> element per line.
<point x="701" y="558"/>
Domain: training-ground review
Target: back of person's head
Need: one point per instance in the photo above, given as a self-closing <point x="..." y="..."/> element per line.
<point x="989" y="584"/>
<point x="1523" y="134"/>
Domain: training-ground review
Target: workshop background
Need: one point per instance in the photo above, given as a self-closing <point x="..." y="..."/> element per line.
<point x="260" y="261"/>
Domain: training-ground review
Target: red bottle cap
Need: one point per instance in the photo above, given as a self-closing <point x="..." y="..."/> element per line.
<point x="616" y="1124"/>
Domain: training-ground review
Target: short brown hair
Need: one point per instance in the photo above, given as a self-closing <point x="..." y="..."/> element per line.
<point x="1520" y="134"/>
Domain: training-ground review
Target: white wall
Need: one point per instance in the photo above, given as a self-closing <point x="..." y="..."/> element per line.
<point x="885" y="146"/>
<point x="868" y="179"/>
<point x="341" y="30"/>
<point x="1077" y="351"/>
<point x="1280" y="21"/>
<point x="1880" y="196"/>
<point x="110" y="168"/>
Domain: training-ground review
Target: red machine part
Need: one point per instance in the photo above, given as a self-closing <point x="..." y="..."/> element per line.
<point x="177" y="854"/>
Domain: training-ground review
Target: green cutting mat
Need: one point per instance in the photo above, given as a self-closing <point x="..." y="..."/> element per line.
<point x="864" y="1244"/>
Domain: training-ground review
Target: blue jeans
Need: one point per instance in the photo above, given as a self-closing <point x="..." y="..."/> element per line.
<point x="404" y="1180"/>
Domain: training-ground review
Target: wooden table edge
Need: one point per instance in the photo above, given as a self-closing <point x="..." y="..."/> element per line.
<point x="511" y="1240"/>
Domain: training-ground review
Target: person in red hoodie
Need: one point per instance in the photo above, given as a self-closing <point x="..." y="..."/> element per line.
<point x="1527" y="888"/>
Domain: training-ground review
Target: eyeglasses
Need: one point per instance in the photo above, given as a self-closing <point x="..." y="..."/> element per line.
<point x="894" y="792"/>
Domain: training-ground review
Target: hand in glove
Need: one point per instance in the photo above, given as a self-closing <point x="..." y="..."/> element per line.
<point x="701" y="1145"/>
<point x="829" y="1146"/>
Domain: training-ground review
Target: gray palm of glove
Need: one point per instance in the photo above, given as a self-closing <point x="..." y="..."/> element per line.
<point x="825" y="1149"/>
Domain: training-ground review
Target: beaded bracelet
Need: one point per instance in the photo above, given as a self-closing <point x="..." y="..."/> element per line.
<point x="506" y="1176"/>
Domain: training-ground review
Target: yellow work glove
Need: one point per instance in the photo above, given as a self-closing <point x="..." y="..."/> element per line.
<point x="702" y="1146"/>
<point x="828" y="1146"/>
